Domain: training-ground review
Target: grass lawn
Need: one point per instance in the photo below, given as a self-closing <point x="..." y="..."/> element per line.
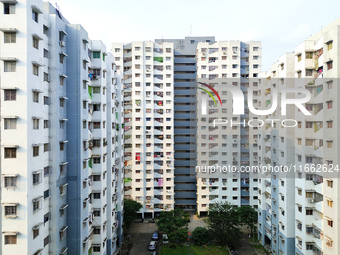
<point x="194" y="250"/>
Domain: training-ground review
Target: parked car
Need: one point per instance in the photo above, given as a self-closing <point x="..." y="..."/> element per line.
<point x="165" y="239"/>
<point x="154" y="253"/>
<point x="155" y="235"/>
<point x="152" y="245"/>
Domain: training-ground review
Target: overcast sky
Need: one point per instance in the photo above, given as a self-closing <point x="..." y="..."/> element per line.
<point x="280" y="25"/>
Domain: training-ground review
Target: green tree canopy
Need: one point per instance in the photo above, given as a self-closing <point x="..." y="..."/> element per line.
<point x="201" y="236"/>
<point x="131" y="207"/>
<point x="174" y="223"/>
<point x="224" y="222"/>
<point x="248" y="216"/>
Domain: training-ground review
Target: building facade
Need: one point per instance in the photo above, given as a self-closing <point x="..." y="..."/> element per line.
<point x="60" y="160"/>
<point x="147" y="69"/>
<point x="219" y="64"/>
<point x="185" y="119"/>
<point x="299" y="215"/>
<point x="276" y="148"/>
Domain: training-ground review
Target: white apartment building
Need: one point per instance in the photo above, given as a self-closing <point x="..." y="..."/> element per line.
<point x="147" y="71"/>
<point x="220" y="64"/>
<point x="33" y="134"/>
<point x="276" y="148"/>
<point x="317" y="142"/>
<point x="300" y="215"/>
<point x="57" y="167"/>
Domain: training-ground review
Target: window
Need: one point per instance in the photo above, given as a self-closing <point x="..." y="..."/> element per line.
<point x="330" y="183"/>
<point x="36" y="70"/>
<point x="10" y="181"/>
<point x="9" y="8"/>
<point x="11" y="210"/>
<point x="62" y="146"/>
<point x="62" y="233"/>
<point x="10" y="95"/>
<point x="45" y="30"/>
<point x="329" y="45"/>
<point x="35" y="43"/>
<point x="96" y="54"/>
<point x="309" y="212"/>
<point x="329" y="144"/>
<point x="96" y="160"/>
<point x="329" y="124"/>
<point x="61" y="58"/>
<point x="35" y="124"/>
<point x="10" y="37"/>
<point x="329" y="203"/>
<point x="329" y="105"/>
<point x="63" y="189"/>
<point x="10" y="239"/>
<point x="36" y="97"/>
<point x="46" y="240"/>
<point x="330" y="223"/>
<point x="96" y="125"/>
<point x="10" y="66"/>
<point x="36" y="204"/>
<point x="35" y="232"/>
<point x="10" y="123"/>
<point x="299" y="73"/>
<point x="10" y="152"/>
<point x="61" y="101"/>
<point x="330" y="84"/>
<point x="309" y="55"/>
<point x="35" y="16"/>
<point x="299" y="57"/>
<point x="46" y="77"/>
<point x="309" y="72"/>
<point x="35" y="151"/>
<point x="329" y="65"/>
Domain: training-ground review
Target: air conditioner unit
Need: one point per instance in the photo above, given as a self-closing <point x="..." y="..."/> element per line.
<point x="235" y="52"/>
<point x="62" y="44"/>
<point x="148" y="70"/>
<point x="224" y="53"/>
<point x="204" y="54"/>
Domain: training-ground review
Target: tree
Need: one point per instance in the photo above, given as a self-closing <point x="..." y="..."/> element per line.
<point x="201" y="236"/>
<point x="174" y="223"/>
<point x="223" y="222"/>
<point x="248" y="216"/>
<point x="131" y="207"/>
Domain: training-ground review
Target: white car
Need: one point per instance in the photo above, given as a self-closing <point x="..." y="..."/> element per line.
<point x="153" y="245"/>
<point x="165" y="239"/>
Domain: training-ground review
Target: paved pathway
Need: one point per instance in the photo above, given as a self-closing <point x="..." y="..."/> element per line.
<point x="243" y="245"/>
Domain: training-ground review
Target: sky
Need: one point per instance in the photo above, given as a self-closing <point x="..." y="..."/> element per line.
<point x="280" y="25"/>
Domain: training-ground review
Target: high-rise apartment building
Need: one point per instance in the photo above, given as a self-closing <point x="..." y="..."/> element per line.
<point x="276" y="148"/>
<point x="61" y="160"/>
<point x="147" y="69"/>
<point x="300" y="215"/>
<point x="316" y="141"/>
<point x="219" y="64"/>
<point x="185" y="119"/>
